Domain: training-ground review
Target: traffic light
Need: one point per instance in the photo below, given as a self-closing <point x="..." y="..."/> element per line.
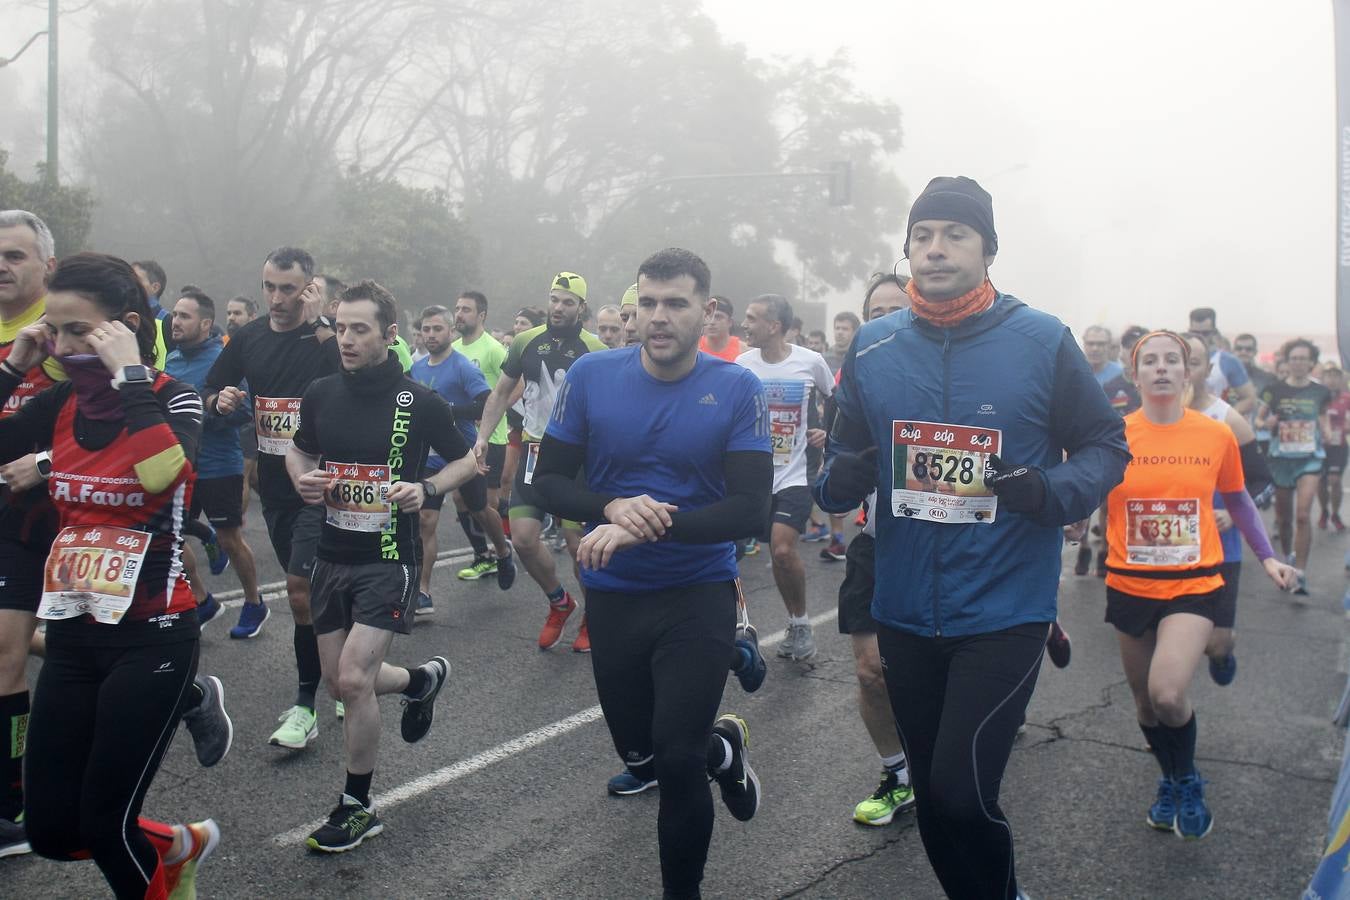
<point x="841" y="183"/>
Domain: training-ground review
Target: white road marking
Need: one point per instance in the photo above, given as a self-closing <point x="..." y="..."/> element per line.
<point x="443" y="776"/>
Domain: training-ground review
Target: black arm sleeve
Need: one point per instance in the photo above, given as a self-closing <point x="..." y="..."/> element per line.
<point x="556" y="483"/>
<point x="473" y="410"/>
<point x="31" y="427"/>
<point x="1255" y="468"/>
<point x="743" y="512"/>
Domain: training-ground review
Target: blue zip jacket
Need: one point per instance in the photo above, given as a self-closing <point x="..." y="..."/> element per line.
<point x="1011" y="368"/>
<point x="219" y="454"/>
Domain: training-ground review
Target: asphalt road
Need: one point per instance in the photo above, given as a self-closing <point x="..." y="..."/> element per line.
<point x="506" y="798"/>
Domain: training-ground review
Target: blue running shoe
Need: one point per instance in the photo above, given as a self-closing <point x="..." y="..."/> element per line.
<point x="1194" y="819"/>
<point x="251" y="619"/>
<point x="207" y="610"/>
<point x="626" y="784"/>
<point x="750" y="668"/>
<point x="1162" y="815"/>
<point x="1223" y="671"/>
<point x="817" y="533"/>
<point x="215" y="554"/>
<point x="424" y="605"/>
<point x="506" y="569"/>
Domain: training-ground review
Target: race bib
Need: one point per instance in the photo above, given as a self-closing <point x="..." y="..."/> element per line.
<point x="276" y="419"/>
<point x="1298" y="437"/>
<point x="783" y="436"/>
<point x="531" y="457"/>
<point x="92" y="570"/>
<point x="938" y="472"/>
<point x="358" y="497"/>
<point x="1162" y="532"/>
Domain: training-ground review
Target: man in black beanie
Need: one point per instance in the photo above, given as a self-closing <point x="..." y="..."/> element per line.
<point x="931" y="400"/>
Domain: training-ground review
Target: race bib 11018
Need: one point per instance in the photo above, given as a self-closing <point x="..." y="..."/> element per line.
<point x="938" y="472"/>
<point x="92" y="570"/>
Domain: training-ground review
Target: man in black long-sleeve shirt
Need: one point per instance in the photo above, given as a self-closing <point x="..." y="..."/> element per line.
<point x="675" y="448"/>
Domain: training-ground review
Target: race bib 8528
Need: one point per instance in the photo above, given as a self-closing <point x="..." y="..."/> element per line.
<point x="938" y="472"/>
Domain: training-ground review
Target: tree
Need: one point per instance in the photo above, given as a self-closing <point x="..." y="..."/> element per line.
<point x="67" y="210"/>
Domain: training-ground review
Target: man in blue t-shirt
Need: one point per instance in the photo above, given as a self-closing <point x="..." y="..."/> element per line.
<point x="461" y="384"/>
<point x="675" y="449"/>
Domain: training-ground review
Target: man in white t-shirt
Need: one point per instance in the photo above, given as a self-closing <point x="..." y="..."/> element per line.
<point x="793" y="378"/>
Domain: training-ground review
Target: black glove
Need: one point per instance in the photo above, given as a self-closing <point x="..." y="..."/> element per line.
<point x="853" y="476"/>
<point x="1020" y="488"/>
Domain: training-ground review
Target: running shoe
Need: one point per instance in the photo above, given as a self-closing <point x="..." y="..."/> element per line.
<point x="299" y="728"/>
<point x="626" y="784"/>
<point x="889" y="798"/>
<point x="582" y="643"/>
<point x="506" y="569"/>
<point x="836" y="552"/>
<point x="251" y="619"/>
<point x="1162" y="815"/>
<point x="1224" y="670"/>
<point x="207" y="610"/>
<point x="552" y="631"/>
<point x="481" y="568"/>
<point x="1083" y="562"/>
<point x="1301" y="589"/>
<point x="14" y="838"/>
<point x="1194" y="819"/>
<point x="417" y="713"/>
<point x="1058" y="647"/>
<point x="1265" y="497"/>
<point x="208" y="723"/>
<point x="348" y="825"/>
<point x="180" y="878"/>
<point x="816" y="533"/>
<point x="215" y="554"/>
<point x="1337" y="524"/>
<point x="800" y="641"/>
<point x="425" y="606"/>
<point x="787" y="646"/>
<point x="751" y="667"/>
<point x="752" y="547"/>
<point x="1322" y="520"/>
<point x="861" y="520"/>
<point x="739" y="783"/>
<point x="339" y="710"/>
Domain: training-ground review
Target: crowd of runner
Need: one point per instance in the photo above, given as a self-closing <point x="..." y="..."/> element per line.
<point x="963" y="437"/>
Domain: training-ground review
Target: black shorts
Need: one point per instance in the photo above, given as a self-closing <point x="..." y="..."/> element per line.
<point x="375" y="594"/>
<point x="473" y="492"/>
<point x="791" y="507"/>
<point x="1334" y="464"/>
<point x="1225" y="598"/>
<point x="1136" y="616"/>
<point x="294" y="534"/>
<point x="525" y="500"/>
<point x="496" y="462"/>
<point x="248" y="441"/>
<point x="855" y="593"/>
<point x="222" y="499"/>
<point x="22" y="567"/>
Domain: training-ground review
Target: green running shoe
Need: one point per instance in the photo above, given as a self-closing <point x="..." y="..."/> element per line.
<point x="480" y="569"/>
<point x="299" y="728"/>
<point x="348" y="825"/>
<point x="890" y="798"/>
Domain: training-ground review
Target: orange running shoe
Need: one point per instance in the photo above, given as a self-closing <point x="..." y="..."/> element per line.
<point x="583" y="642"/>
<point x="180" y="878"/>
<point x="557" y="618"/>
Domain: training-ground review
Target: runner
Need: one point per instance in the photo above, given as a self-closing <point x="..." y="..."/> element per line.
<point x="1299" y="427"/>
<point x="332" y="288"/>
<point x="279" y="357"/>
<point x="541" y="357"/>
<point x="628" y="313"/>
<point x="609" y="326"/>
<point x="238" y="313"/>
<point x="1244" y="348"/>
<point x="28" y="521"/>
<point x="1329" y="487"/>
<point x="528" y="317"/>
<point x="155" y="282"/>
<point x="368" y="555"/>
<point x="459" y="383"/>
<point x="793" y="377"/>
<point x="489" y="356"/>
<point x="1097" y="349"/>
<point x="885" y="295"/>
<point x="968" y="545"/>
<point x="1164" y="569"/>
<point x="1228" y="378"/>
<point x="717" y="338"/>
<point x="122" y="634"/>
<point x="675" y="448"/>
<point x="220" y="461"/>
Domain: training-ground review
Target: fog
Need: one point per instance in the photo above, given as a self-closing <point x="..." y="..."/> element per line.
<point x="1144" y="158"/>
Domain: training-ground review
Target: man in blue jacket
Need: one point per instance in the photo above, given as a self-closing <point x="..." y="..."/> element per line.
<point x="220" y="460"/>
<point x="931" y="401"/>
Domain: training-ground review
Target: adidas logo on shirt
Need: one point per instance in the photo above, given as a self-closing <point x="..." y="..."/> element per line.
<point x="707" y="400"/>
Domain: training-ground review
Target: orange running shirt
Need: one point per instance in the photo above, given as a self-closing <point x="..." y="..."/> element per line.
<point x="733" y="349"/>
<point x="1160" y="519"/>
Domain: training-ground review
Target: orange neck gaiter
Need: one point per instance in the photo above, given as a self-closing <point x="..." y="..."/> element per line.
<point x="947" y="313"/>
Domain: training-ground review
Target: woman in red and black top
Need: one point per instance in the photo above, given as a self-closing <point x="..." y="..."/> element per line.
<point x="121" y="623"/>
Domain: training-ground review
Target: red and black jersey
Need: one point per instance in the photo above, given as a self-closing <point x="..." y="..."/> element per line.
<point x="26" y="517"/>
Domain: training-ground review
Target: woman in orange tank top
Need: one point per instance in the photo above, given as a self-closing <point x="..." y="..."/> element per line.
<point x="1163" y="564"/>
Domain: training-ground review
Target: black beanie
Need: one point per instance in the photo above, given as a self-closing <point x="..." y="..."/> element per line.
<point x="958" y="199"/>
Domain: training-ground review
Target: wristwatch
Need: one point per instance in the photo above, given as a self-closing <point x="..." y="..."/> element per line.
<point x="428" y="488"/>
<point x="44" y="463"/>
<point x="131" y="375"/>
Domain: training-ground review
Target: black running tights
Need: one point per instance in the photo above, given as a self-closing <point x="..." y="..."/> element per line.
<point x="958" y="703"/>
<point x="102" y="718"/>
<point x="660" y="662"/>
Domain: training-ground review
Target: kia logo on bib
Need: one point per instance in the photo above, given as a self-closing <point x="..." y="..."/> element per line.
<point x="937" y="513"/>
<point x="404" y="398"/>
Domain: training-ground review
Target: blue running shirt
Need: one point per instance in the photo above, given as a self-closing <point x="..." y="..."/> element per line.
<point x="457" y="380"/>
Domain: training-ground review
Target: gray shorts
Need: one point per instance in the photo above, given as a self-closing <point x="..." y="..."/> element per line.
<point x="295" y="537"/>
<point x="375" y="594"/>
